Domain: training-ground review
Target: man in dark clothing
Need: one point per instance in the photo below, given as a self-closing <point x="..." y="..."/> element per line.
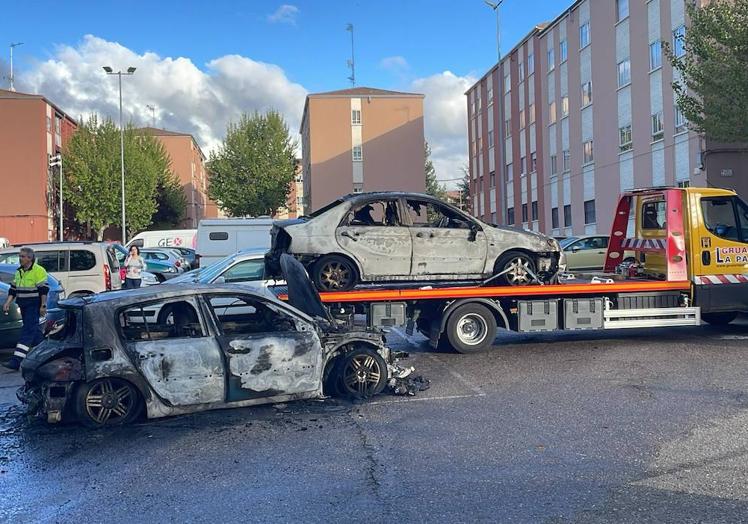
<point x="29" y="289"/>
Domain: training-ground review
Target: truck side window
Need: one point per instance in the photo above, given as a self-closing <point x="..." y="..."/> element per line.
<point x="719" y="217"/>
<point x="653" y="215"/>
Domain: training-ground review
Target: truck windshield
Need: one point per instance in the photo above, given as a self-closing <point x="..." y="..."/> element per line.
<point x="726" y="217"/>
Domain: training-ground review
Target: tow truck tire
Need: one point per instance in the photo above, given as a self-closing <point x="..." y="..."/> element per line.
<point x="719" y="319"/>
<point x="471" y="328"/>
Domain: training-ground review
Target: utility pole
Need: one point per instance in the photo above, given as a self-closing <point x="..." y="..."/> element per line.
<point x="12" y="78"/>
<point x="56" y="161"/>
<point x="153" y="114"/>
<point x="352" y="61"/>
<point x="495" y="6"/>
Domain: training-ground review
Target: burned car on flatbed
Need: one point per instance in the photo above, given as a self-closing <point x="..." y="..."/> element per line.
<point x="392" y="236"/>
<point x="168" y="350"/>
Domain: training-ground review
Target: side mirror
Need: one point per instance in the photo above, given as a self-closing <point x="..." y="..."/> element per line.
<point x="220" y="280"/>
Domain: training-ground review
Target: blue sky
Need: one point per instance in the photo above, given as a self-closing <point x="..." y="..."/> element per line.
<point x="399" y="45"/>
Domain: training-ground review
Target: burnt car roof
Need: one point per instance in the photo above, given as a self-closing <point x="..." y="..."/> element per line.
<point x="387" y="194"/>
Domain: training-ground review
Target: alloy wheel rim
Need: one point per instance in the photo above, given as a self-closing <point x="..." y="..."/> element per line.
<point x="472" y="329"/>
<point x="336" y="275"/>
<point x="518" y="272"/>
<point x="362" y="375"/>
<point x="109" y="401"/>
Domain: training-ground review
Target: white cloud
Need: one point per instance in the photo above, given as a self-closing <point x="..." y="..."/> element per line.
<point x="285" y="14"/>
<point x="394" y="63"/>
<point x="445" y="121"/>
<point x="187" y="98"/>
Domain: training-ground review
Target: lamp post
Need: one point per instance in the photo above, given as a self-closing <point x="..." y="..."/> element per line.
<point x="495" y="6"/>
<point x="12" y="78"/>
<point x="56" y="161"/>
<point x="130" y="71"/>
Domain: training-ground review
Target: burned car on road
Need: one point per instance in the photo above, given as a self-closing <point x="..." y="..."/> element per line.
<point x="390" y="236"/>
<point x="170" y="349"/>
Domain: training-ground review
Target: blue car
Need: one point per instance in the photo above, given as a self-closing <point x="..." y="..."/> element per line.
<point x="10" y="324"/>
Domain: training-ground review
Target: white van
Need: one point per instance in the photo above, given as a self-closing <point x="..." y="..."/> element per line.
<point x="171" y="238"/>
<point x="218" y="238"/>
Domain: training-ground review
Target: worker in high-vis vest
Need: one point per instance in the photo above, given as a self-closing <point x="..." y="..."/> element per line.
<point x="29" y="289"/>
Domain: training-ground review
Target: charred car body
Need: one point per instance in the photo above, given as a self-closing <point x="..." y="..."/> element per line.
<point x="171" y="349"/>
<point x="388" y="236"/>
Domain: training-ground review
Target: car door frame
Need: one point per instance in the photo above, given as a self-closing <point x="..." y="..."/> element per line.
<point x="236" y="390"/>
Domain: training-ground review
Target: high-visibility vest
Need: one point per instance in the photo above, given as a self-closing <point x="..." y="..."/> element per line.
<point x="29" y="284"/>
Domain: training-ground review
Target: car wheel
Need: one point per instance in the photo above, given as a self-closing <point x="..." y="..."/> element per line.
<point x="471" y="328"/>
<point x="719" y="319"/>
<point x="362" y="374"/>
<point x="516" y="269"/>
<point x="107" y="402"/>
<point x="335" y="273"/>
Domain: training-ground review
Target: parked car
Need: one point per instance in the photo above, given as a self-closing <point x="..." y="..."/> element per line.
<point x="163" y="256"/>
<point x="220" y="237"/>
<point x="370" y="237"/>
<point x="165" y="238"/>
<point x="83" y="268"/>
<point x="220" y="346"/>
<point x="190" y="255"/>
<point x="10" y="324"/>
<point x="588" y="252"/>
<point x="246" y="267"/>
<point x="156" y="273"/>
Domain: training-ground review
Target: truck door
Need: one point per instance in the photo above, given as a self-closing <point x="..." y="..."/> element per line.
<point x="720" y="269"/>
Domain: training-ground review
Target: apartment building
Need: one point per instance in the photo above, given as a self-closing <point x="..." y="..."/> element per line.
<point x="361" y="139"/>
<point x="32" y="129"/>
<point x="294" y="207"/>
<point x="188" y="164"/>
<point x="596" y="115"/>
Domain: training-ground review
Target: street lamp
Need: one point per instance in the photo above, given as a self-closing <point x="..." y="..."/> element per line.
<point x="56" y="161"/>
<point x="13" y="45"/>
<point x="130" y="71"/>
<point x="495" y="6"/>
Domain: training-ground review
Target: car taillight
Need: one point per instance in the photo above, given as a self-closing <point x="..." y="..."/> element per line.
<point x="107" y="278"/>
<point x="178" y="264"/>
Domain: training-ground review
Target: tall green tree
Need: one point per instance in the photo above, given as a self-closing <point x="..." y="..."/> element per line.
<point x="92" y="184"/>
<point x="463" y="186"/>
<point x="251" y="172"/>
<point x="433" y="187"/>
<point x="712" y="92"/>
<point x="171" y="203"/>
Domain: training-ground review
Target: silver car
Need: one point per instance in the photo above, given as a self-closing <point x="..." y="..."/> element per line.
<point x="388" y="236"/>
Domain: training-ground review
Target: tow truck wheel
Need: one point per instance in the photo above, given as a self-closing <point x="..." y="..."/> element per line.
<point x="334" y="273"/>
<point x="107" y="402"/>
<point x="362" y="374"/>
<point x="719" y="319"/>
<point x="471" y="328"/>
<point x="516" y="269"/>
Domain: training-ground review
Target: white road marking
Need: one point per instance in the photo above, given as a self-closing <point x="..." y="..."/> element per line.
<point x="733" y="337"/>
<point x="422" y="399"/>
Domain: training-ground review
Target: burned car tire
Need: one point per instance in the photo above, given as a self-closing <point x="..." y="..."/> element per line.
<point x="471" y="328"/>
<point x="107" y="402"/>
<point x="515" y="265"/>
<point x="334" y="273"/>
<point x="362" y="373"/>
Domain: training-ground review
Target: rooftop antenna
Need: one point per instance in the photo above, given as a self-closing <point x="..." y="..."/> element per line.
<point x="153" y="114"/>
<point x="13" y="45"/>
<point x="352" y="62"/>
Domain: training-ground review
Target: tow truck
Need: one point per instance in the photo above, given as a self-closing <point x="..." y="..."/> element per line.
<point x="691" y="248"/>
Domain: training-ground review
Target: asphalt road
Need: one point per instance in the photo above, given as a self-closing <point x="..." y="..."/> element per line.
<point x="602" y="427"/>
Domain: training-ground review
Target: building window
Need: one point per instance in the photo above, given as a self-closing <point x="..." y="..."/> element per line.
<point x="510" y="216"/>
<point x="624" y="138"/>
<point x="480" y="185"/>
<point x="551" y="59"/>
<point x="58" y="124"/>
<point x="533" y="162"/>
<point x="589" y="212"/>
<point x="657" y="127"/>
<point x="49" y="124"/>
<point x="521" y="68"/>
<point x="490" y="138"/>
<point x="584" y="35"/>
<point x="554" y="165"/>
<point x="358" y="154"/>
<point x="679" y="41"/>
<point x="508" y="127"/>
<point x="492" y="179"/>
<point x="680" y="120"/>
<point x="564" y="106"/>
<point x="355" y="116"/>
<point x="507" y="83"/>
<point x="531" y="110"/>
<point x="684" y="183"/>
<point x="522" y="165"/>
<point x="563" y="51"/>
<point x="521" y="118"/>
<point x="586" y="94"/>
<point x="508" y="172"/>
<point x="524" y="213"/>
<point x="655" y="55"/>
<point x="358" y="187"/>
<point x="530" y="63"/>
<point x="624" y="73"/>
<point x="589" y="154"/>
<point x="534" y="210"/>
<point x="554" y="218"/>
<point x="623" y="9"/>
<point x="566" y="161"/>
<point x="552" y="112"/>
<point x="567" y="215"/>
